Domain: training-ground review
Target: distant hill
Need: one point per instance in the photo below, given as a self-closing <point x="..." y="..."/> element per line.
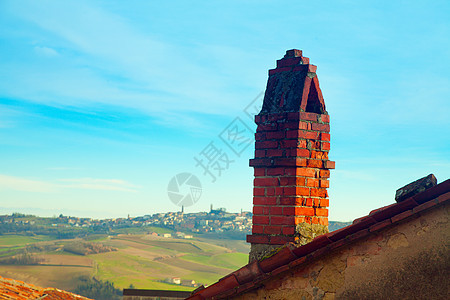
<point x="334" y="225"/>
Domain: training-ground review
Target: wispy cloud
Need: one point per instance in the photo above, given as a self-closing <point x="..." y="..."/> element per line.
<point x="99" y="184"/>
<point x="40" y="186"/>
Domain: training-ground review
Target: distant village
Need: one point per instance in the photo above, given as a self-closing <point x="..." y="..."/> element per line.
<point x="214" y="221"/>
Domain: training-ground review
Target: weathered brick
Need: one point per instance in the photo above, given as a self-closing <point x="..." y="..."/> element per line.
<point x="260" y="172"/>
<point x="271" y="229"/>
<point x="325" y="146"/>
<point x="306" y="172"/>
<point x="304" y="211"/>
<point x="325" y="136"/>
<point x="265" y="181"/>
<point x="324" y="183"/>
<point x="307" y="134"/>
<point x="275" y="135"/>
<point x="318" y="192"/>
<point x="257" y="229"/>
<point x="329" y="164"/>
<point x="315" y="163"/>
<point x="312" y="182"/>
<point x="258" y="239"/>
<point x="323" y="212"/>
<point x="296" y="190"/>
<point x="320" y="127"/>
<point x="275" y="171"/>
<point x="259" y="191"/>
<point x="280" y="240"/>
<point x="282" y="220"/>
<point x="308" y="116"/>
<point x="274" y="152"/>
<point x="266" y="144"/>
<point x="324" y="173"/>
<point x="325" y="118"/>
<point x="260" y="153"/>
<point x="264" y="200"/>
<point x="323" y="221"/>
<point x="258" y="219"/>
<point x="288" y="230"/>
<point x="276" y="210"/>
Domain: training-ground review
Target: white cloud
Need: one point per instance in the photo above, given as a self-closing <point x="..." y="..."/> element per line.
<point x="31" y="185"/>
<point x="26" y="185"/>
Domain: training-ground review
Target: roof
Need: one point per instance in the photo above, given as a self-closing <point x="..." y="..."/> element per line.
<point x="11" y="289"/>
<point x="290" y="256"/>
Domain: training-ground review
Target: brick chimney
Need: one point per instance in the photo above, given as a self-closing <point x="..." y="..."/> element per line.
<point x="291" y="163"/>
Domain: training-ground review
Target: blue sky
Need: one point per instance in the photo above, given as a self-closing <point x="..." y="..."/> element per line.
<point x="103" y="102"/>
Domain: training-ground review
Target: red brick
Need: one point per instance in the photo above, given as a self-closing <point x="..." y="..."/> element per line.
<point x="275" y="171"/>
<point x="325" y="118"/>
<point x="324" y="173"/>
<point x="323" y="221"/>
<point x="257" y="229"/>
<point x="299" y="220"/>
<point x="274" y="152"/>
<point x="288" y="230"/>
<point x="325" y="146"/>
<point x="315" y="145"/>
<point x="307" y="202"/>
<point x="320" y="127"/>
<point x="330" y="164"/>
<point x="288" y="62"/>
<point x="279" y="70"/>
<point x="302" y="144"/>
<point x="292" y="134"/>
<point x="280" y="240"/>
<point x="304" y="211"/>
<point x="260" y="136"/>
<point x="282" y="220"/>
<point x="260" y="162"/>
<point x="275" y="135"/>
<point x="290" y="171"/>
<point x="260" y="172"/>
<point x="276" y="210"/>
<point x="259" y="191"/>
<point x="258" y="239"/>
<point x="319" y="193"/>
<point x="324" y="183"/>
<point x="267" y="181"/>
<point x="266" y="144"/>
<point x="264" y="200"/>
<point x="325" y="136"/>
<point x="260" y="153"/>
<point x="312" y="182"/>
<point x="293" y="116"/>
<point x="272" y="229"/>
<point x="266" y="127"/>
<point x="306" y="172"/>
<point x="322" y="202"/>
<point x="319" y="154"/>
<point x="261" y="220"/>
<point x="270" y="192"/>
<point x="288" y="201"/>
<point x="258" y="210"/>
<point x="323" y="212"/>
<point x="314" y="220"/>
<point x="308" y="116"/>
<point x="285" y="181"/>
<point x="295" y="190"/>
<point x="307" y="134"/>
<point x="289" y="144"/>
<point x="315" y="163"/>
<point x="299" y="152"/>
<point x="289" y="210"/>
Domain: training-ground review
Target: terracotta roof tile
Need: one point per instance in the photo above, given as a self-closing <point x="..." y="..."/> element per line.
<point x="11" y="289"/>
<point x="253" y="274"/>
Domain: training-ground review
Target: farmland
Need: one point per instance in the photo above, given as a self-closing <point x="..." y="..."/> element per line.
<point x="139" y="259"/>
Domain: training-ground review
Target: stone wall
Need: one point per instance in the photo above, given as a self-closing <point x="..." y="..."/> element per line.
<point x="410" y="260"/>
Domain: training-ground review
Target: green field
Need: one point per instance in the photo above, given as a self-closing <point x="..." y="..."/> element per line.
<point x="140" y="259"/>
